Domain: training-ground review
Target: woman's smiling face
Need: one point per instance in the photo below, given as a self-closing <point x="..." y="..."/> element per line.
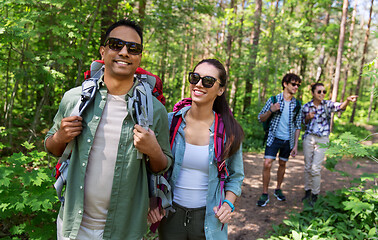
<point x="201" y="94"/>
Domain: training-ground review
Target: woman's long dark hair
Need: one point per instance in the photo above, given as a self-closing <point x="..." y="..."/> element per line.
<point x="234" y="131"/>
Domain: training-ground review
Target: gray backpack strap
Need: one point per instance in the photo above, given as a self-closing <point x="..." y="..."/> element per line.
<point x="141" y="104"/>
<point x="164" y="192"/>
<point x="89" y="88"/>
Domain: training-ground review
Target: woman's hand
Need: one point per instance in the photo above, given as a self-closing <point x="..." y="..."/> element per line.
<point x="223" y="213"/>
<point x="155" y="214"/>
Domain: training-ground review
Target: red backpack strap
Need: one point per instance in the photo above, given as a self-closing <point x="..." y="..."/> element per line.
<point x="175" y="125"/>
<point x="219" y="135"/>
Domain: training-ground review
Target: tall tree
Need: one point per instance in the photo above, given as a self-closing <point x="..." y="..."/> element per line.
<point x="232" y="99"/>
<point x="339" y="54"/>
<point x="322" y="50"/>
<point x="270" y="49"/>
<point x="373" y="90"/>
<point x="349" y="52"/>
<point x="230" y="38"/>
<point x="254" y="50"/>
<point x="357" y="91"/>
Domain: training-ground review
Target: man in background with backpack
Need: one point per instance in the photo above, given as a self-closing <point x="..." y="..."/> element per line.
<point x="106" y="195"/>
<point x="283" y="113"/>
<point x="316" y="115"/>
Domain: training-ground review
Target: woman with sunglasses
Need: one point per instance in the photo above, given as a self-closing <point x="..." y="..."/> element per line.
<point x="316" y="115"/>
<point x="194" y="180"/>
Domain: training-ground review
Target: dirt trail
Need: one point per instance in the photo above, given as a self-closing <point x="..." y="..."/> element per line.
<point x="253" y="222"/>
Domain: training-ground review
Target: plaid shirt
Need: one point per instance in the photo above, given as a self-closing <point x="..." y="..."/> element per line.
<point x="320" y="124"/>
<point x="277" y="116"/>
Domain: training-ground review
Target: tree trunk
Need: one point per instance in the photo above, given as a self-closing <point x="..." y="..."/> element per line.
<point x="38" y="112"/>
<point x="322" y="54"/>
<point x="349" y="53"/>
<point x="302" y="73"/>
<point x="362" y="62"/>
<point x="339" y="55"/>
<point x="185" y="67"/>
<point x="229" y="40"/>
<point x="142" y="12"/>
<point x="8" y="115"/>
<point x="232" y="100"/>
<point x="108" y="14"/>
<point x="254" y="50"/>
<point x="7" y="85"/>
<point x="372" y="90"/>
<point x="270" y="50"/>
<point x="80" y="64"/>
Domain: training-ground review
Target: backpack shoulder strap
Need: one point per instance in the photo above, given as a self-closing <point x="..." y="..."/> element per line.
<point x="140" y="105"/>
<point x="273" y="99"/>
<point x="89" y="88"/>
<point x="219" y="133"/>
<point x="219" y="136"/>
<point x="298" y="105"/>
<point x="175" y="125"/>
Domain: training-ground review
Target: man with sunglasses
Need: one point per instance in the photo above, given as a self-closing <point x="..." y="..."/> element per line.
<point x="106" y="195"/>
<point x="316" y="115"/>
<point x="284" y="129"/>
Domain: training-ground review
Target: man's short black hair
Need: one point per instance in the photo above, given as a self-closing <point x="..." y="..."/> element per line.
<point x="290" y="77"/>
<point x="126" y="23"/>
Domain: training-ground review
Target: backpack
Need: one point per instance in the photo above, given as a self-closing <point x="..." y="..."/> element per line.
<point x="157" y="90"/>
<point x="140" y="102"/>
<point x="266" y="124"/>
<point x="219" y="137"/>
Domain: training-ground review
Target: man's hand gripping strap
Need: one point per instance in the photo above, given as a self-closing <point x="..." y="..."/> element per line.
<point x="140" y="105"/>
<point x="89" y="88"/>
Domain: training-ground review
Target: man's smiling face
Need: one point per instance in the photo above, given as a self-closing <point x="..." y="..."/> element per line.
<point x="121" y="64"/>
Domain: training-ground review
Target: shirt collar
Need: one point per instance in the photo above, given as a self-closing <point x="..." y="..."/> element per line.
<point x="183" y="112"/>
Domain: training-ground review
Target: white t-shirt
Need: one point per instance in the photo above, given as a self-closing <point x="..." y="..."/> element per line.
<point x="101" y="163"/>
<point x="192" y="183"/>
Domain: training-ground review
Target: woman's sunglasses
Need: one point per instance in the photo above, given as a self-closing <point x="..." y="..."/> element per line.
<point x="207" y="81"/>
<point x="320" y="91"/>
<point x="117" y="45"/>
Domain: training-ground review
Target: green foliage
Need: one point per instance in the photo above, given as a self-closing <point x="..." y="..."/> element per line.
<point x="347" y="145"/>
<point x="343" y="214"/>
<point x="27" y="198"/>
<point x="253" y="130"/>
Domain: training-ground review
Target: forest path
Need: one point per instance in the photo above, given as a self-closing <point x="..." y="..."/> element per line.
<point x="252" y="222"/>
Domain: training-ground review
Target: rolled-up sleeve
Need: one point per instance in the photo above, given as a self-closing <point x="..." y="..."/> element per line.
<point x="236" y="172"/>
<point x="265" y="109"/>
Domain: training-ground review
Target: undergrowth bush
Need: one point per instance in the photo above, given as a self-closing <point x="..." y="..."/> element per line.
<point x="350" y="213"/>
<point x="28" y="202"/>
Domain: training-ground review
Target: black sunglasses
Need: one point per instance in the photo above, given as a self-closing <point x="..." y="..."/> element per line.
<point x="295" y="84"/>
<point x="117" y="45"/>
<point x="320" y="91"/>
<point x="207" y="81"/>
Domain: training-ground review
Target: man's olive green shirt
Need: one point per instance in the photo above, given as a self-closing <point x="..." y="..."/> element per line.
<point x="127" y="213"/>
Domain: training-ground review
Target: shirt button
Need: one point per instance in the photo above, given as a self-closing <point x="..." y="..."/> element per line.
<point x="79" y="211"/>
<point x="103" y="97"/>
<point x="81" y="187"/>
<point x="89" y="140"/>
<point x="83" y="164"/>
<point x="97" y="118"/>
